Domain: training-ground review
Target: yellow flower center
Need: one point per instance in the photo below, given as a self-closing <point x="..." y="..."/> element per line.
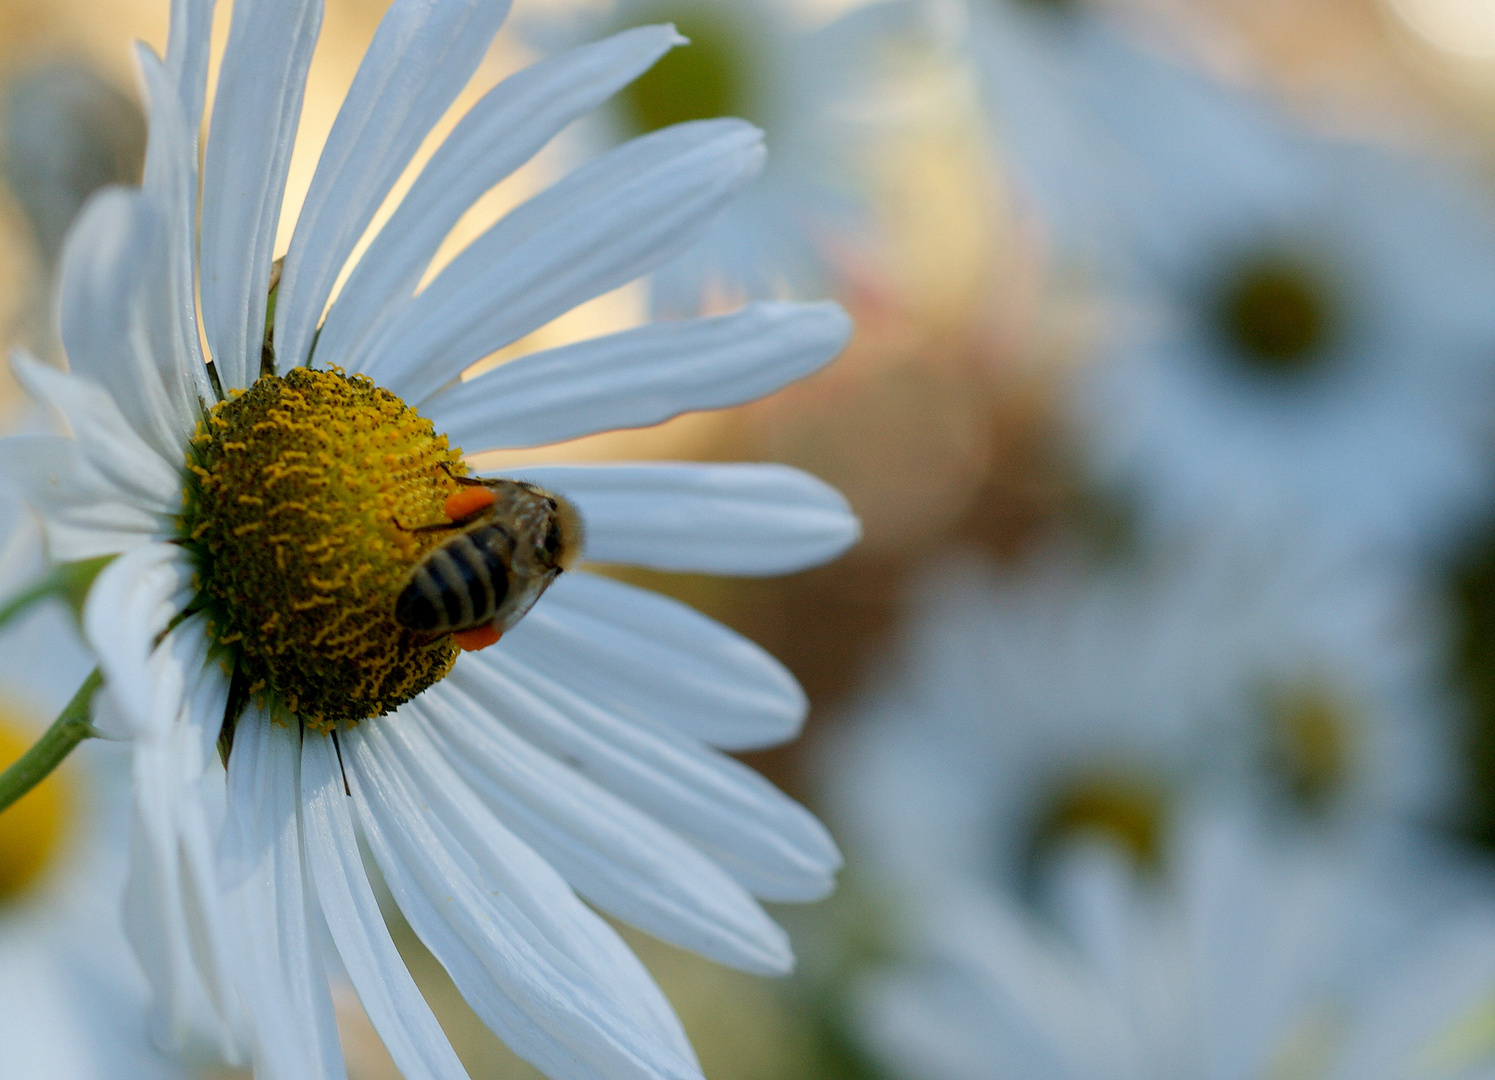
<point x="1123" y="808"/>
<point x="302" y="500"/>
<point x="708" y="78"/>
<point x="33" y="827"/>
<point x="1310" y="730"/>
<point x="1278" y="313"/>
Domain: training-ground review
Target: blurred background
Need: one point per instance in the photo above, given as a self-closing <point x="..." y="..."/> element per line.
<point x="1155" y="713"/>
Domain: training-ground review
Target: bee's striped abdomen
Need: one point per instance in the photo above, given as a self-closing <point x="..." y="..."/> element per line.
<point x="459" y="585"/>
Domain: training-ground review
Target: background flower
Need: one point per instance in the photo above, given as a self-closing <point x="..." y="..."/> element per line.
<point x="72" y="998"/>
<point x="1255" y="953"/>
<point x="1066" y="694"/>
<point x="829" y="95"/>
<point x="1301" y="328"/>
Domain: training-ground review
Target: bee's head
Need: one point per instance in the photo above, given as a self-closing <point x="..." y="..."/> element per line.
<point x="566" y="536"/>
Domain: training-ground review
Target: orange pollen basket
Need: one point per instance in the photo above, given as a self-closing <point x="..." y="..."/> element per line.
<point x="479" y="637"/>
<point x="467" y="502"/>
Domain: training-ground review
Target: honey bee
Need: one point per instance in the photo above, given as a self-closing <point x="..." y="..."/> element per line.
<point x="511" y="541"/>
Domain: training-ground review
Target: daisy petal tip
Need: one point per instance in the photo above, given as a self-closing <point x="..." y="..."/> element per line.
<point x="740" y="147"/>
<point x="842" y="527"/>
<point x="853" y="531"/>
<point x="669" y="36"/>
<point x="831" y="863"/>
<point x="147" y="58"/>
<point x="41" y="381"/>
<point x="109" y="719"/>
<point x="826" y="858"/>
<point x="734" y="133"/>
<point x="796" y="706"/>
<point x="836" y="526"/>
<point x="822" y="328"/>
<point x="838" y="326"/>
<point x="777" y="964"/>
<point x="23" y="363"/>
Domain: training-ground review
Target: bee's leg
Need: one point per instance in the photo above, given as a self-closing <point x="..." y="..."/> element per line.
<point x="465" y="481"/>
<point x="440" y="526"/>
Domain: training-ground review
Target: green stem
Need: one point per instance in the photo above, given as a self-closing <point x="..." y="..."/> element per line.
<point x="33" y="594"/>
<point x="69" y="729"/>
<point x="69" y="581"/>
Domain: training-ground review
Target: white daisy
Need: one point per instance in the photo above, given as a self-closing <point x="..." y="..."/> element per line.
<point x="258" y="609"/>
<point x="1069" y="695"/>
<point x="66" y="132"/>
<point x="819" y="94"/>
<point x="1255" y="956"/>
<point x="1310" y="337"/>
<point x="1030" y="59"/>
<point x="72" y="998"/>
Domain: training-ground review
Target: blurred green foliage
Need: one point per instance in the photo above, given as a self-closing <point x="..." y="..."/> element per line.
<point x="708" y="78"/>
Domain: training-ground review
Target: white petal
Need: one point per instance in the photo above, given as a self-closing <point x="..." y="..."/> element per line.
<point x="566" y="926"/>
<point x="498" y="134"/>
<point x="711" y="519"/>
<point x="255" y="110"/>
<point x="116" y="245"/>
<point x="283" y="980"/>
<point x="83" y="515"/>
<point x="633" y="649"/>
<point x="113" y="456"/>
<point x="763" y="838"/>
<point x="187" y="51"/>
<point x="133" y="600"/>
<point x="44" y="1035"/>
<point x="170" y="187"/>
<point x="1418" y="1002"/>
<point x="474" y="921"/>
<point x="619" y="858"/>
<point x="422" y="55"/>
<point x="173" y="910"/>
<point x="389" y="995"/>
<point x="600" y="227"/>
<point x="995" y="986"/>
<point x="640" y="377"/>
<point x="126" y="303"/>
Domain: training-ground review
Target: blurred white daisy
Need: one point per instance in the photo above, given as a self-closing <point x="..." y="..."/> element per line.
<point x="1030" y="57"/>
<point x="1065" y="696"/>
<point x="820" y="95"/>
<point x="1309" y="336"/>
<point x="263" y="541"/>
<point x="72" y="999"/>
<point x="1255" y="956"/>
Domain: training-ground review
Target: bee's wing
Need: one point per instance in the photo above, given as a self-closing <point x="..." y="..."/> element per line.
<point x="524" y="590"/>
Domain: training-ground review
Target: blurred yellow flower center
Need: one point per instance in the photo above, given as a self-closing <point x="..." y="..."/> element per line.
<point x="708" y="78"/>
<point x="1310" y="740"/>
<point x="1278" y="314"/>
<point x="302" y="495"/>
<point x="32" y="829"/>
<point x="1127" y="810"/>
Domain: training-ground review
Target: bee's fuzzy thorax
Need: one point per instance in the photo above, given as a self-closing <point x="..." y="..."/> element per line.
<point x="573" y="534"/>
<point x="300" y="494"/>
